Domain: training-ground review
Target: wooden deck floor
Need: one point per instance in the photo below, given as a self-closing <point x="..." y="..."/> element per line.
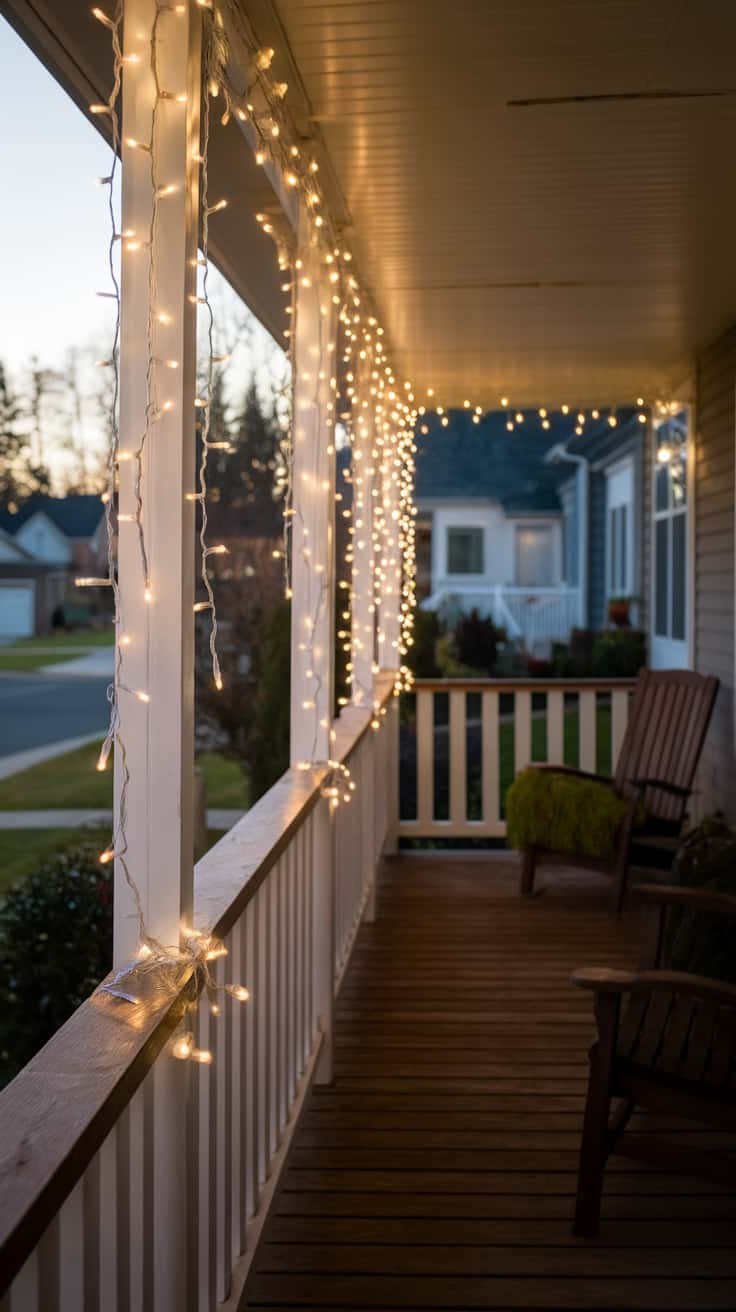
<point x="439" y="1169"/>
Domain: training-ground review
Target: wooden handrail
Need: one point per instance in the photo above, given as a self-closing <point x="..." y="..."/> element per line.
<point x="523" y="685"/>
<point x="57" y="1112"/>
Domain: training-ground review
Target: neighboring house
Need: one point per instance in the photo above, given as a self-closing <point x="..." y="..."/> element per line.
<point x="43" y="546"/>
<point x="602" y="488"/>
<point x="548" y="524"/>
<point x="625" y="506"/>
<point x="490" y="523"/>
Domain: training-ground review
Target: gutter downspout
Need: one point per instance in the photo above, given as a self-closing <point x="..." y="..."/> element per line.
<point x="557" y="453"/>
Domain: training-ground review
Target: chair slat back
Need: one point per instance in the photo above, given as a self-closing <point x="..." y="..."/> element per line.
<point x="664" y="736"/>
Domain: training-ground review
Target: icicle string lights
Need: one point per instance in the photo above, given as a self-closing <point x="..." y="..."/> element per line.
<point x="212" y="51"/>
<point x="156" y="962"/>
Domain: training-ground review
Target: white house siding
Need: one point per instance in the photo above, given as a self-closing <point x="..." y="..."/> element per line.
<point x="499" y="532"/>
<point x="714" y="565"/>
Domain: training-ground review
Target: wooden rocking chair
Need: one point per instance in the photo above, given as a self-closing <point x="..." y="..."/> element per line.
<point x="656" y="765"/>
<point x="666" y="1042"/>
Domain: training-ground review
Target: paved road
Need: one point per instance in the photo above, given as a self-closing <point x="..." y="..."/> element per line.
<point x="38" y="709"/>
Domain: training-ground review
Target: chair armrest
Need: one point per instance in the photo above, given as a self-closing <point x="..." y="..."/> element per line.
<point x="662" y="784"/>
<point x="600" y="980"/>
<point x="695" y="899"/>
<point x="572" y="770"/>
<point x="695" y="986"/>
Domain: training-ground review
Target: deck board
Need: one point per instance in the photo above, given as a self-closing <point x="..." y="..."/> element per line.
<point x="439" y="1168"/>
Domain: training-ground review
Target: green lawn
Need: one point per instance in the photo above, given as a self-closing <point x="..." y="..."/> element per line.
<point x="31" y="653"/>
<point x="76" y="638"/>
<point x="73" y="781"/>
<point x="570" y="749"/>
<point x="506" y="733"/>
<point x="22" y="850"/>
<point x="21" y="662"/>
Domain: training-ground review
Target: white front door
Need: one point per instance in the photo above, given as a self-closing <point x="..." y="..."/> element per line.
<point x="534" y="559"/>
<point x="670" y="583"/>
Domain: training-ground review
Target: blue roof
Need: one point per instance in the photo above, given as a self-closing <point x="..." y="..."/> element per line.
<point x="485" y="461"/>
<point x="467" y="461"/>
<point x="598" y="440"/>
<point x="75" y="516"/>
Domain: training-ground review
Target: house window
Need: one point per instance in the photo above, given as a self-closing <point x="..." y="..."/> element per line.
<point x="465" y="550"/>
<point x="670" y="530"/>
<point x="618" y="581"/>
<point x="620" y="572"/>
<point x="534" y="557"/>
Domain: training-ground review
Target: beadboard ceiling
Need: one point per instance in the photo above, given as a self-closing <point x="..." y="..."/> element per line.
<point x="541" y="194"/>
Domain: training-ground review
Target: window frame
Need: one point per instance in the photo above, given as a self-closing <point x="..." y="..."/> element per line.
<point x="470" y="530"/>
<point x="618" y="582"/>
<point x="665" y="649"/>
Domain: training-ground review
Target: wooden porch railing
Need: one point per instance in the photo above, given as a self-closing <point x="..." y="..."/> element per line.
<point x="463" y="742"/>
<point x="87" y="1217"/>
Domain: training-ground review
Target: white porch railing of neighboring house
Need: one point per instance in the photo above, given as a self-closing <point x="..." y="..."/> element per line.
<point x="495" y="737"/>
<point x="534" y="616"/>
<point x="91" y="1213"/>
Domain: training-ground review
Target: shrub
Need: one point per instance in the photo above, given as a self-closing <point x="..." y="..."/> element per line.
<point x="699" y="943"/>
<point x="476" y="642"/>
<point x="422" y="655"/>
<point x="268" y="742"/>
<point x="55" y="947"/>
<point x="574" y="660"/>
<point x="619" y="653"/>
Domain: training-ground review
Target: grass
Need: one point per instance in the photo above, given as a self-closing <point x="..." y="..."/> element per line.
<point x="506" y="733"/>
<point x="22" y="662"/>
<point x="23" y="850"/>
<point x="76" y="638"/>
<point x="27" y="654"/>
<point x="72" y="781"/>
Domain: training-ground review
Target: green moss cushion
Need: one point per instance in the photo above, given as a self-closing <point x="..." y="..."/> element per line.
<point x="563" y="813"/>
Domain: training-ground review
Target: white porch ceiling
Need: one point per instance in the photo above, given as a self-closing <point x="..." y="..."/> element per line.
<point x="568" y="251"/>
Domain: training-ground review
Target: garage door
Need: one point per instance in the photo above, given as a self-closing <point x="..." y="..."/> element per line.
<point x="16" y="610"/>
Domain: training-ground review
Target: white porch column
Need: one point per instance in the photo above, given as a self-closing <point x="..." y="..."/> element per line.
<point x="157" y="340"/>
<point x="312" y="568"/>
<point x="154" y="766"/>
<point x="313" y="595"/>
<point x="363" y="607"/>
<point x="389" y="657"/>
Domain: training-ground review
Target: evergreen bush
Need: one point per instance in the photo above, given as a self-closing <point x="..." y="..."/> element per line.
<point x="55" y="947"/>
<point x="703" y="944"/>
<point x="268" y="743"/>
<point x="476" y="642"/>
<point x="619" y="653"/>
<point x="422" y="655"/>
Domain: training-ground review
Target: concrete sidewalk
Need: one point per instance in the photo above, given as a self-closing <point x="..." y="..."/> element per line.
<point x="97" y="664"/>
<point x="217" y="818"/>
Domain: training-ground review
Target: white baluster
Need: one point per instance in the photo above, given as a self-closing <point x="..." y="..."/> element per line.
<point x="458" y="759"/>
<point x="425" y="759"/>
<point x="490" y="771"/>
<point x="555" y="727"/>
<point x="587" y="719"/>
<point x="522" y="730"/>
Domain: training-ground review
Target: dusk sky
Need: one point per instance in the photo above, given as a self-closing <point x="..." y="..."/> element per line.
<point x="54" y="228"/>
